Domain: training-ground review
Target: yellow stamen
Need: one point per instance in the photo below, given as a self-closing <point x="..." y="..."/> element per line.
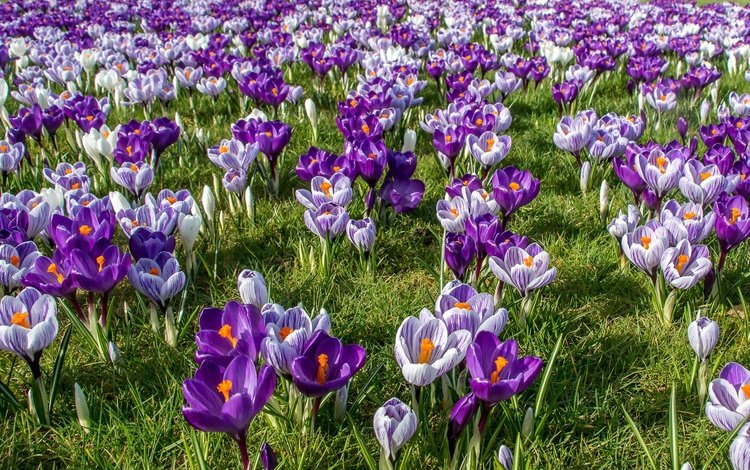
<point x="689" y="215"/>
<point x="171" y="199"/>
<point x="100" y="262"/>
<point x="52" y="268"/>
<point x="133" y="167"/>
<point x="223" y="149"/>
<point x="735" y="215"/>
<point x="448" y="139"/>
<point x="661" y="161"/>
<point x="454" y="211"/>
<point x="68" y="171"/>
<point x="528" y="261"/>
<point x="75" y="185"/>
<point x="681" y="260"/>
<point x="226" y="332"/>
<point x="462" y="305"/>
<point x="326" y="187"/>
<point x="514" y="186"/>
<point x="85" y="230"/>
<point x="645" y="241"/>
<point x="500" y="364"/>
<point x="154" y="271"/>
<point x="284" y="332"/>
<point x="366" y="129"/>
<point x="746" y="388"/>
<point x="15" y="260"/>
<point x="425" y="351"/>
<point x="224" y="387"/>
<point x="322" y="368"/>
<point x="20" y="319"/>
<point x="705" y="175"/>
<point x="490" y="143"/>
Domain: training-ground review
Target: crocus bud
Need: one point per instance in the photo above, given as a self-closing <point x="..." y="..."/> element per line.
<point x="249" y="203"/>
<point x="3" y="92"/>
<point x="410" y="141"/>
<point x="361" y="233"/>
<point x="252" y="288"/>
<point x="604" y="202"/>
<point x="461" y="415"/>
<point x="682" y="127"/>
<point x="209" y="204"/>
<point x="703" y="334"/>
<point x="339" y="406"/>
<point x="82" y="408"/>
<point x="527" y="427"/>
<point x="394" y="425"/>
<point x="118" y="201"/>
<point x="267" y="457"/>
<point x="585" y="176"/>
<point x="686" y="466"/>
<point x="114" y="353"/>
<point x="704" y="110"/>
<point x="190" y="226"/>
<point x="505" y="457"/>
<point x="312" y="114"/>
<point x="739" y="451"/>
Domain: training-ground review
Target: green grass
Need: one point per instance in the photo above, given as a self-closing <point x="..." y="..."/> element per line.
<point x="615" y="353"/>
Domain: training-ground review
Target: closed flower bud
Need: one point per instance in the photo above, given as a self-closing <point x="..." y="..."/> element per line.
<point x="339" y="406"/>
<point x="505" y="457"/>
<point x="312" y="113"/>
<point x="114" y="353"/>
<point x="585" y="176"/>
<point x="267" y="457"/>
<point x="190" y="226"/>
<point x="410" y="141"/>
<point x="394" y="424"/>
<point x="209" y="204"/>
<point x="527" y="428"/>
<point x="703" y="334"/>
<point x="82" y="408"/>
<point x="249" y="203"/>
<point x="604" y="201"/>
<point x="252" y="288"/>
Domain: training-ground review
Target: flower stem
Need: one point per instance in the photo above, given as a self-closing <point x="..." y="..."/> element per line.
<point x="242" y="444"/>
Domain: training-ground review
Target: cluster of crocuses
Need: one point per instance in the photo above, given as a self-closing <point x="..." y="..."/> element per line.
<point x="601" y="138"/>
<point x="715" y="188"/>
<point x="229" y="391"/>
<point x="462" y="332"/>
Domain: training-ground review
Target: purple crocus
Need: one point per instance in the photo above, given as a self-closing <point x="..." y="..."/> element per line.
<point x="328" y="221"/>
<point x="729" y="397"/>
<point x="702" y="184"/>
<point x="394" y="424"/>
<point x="326" y="365"/>
<point x="15" y="262"/>
<point x="659" y="170"/>
<point x="52" y="276"/>
<point x="497" y="373"/>
<point x="227" y="399"/>
<point x="513" y="188"/>
<point x="404" y="195"/>
<point x="236" y="330"/>
<point x="732" y="224"/>
<point x="145" y="243"/>
<point x="644" y="247"/>
<point x="159" y="279"/>
<point x="459" y="253"/>
<point x="572" y="135"/>
<point x="685" y="265"/>
<point x="135" y="177"/>
<point x="461" y="307"/>
<point x="287" y="332"/>
<point x="362" y="234"/>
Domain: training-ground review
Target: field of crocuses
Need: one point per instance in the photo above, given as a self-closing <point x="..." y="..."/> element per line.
<point x="374" y="234"/>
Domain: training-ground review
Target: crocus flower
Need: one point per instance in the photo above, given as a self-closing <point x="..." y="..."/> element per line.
<point x="100" y="269"/>
<point x="145" y="243"/>
<point x="252" y="288"/>
<point x="135" y="177"/>
<point x="28" y="324"/>
<point x="394" y="424"/>
<point x="10" y="156"/>
<point x="497" y="373"/>
<point x="404" y="195"/>
<point x="686" y="221"/>
<point x="572" y="135"/>
<point x="328" y="221"/>
<point x="159" y="279"/>
<point x="459" y="253"/>
<point x="452" y="214"/>
<point x="526" y="269"/>
<point x="15" y="262"/>
<point x="624" y="223"/>
<point x="739" y="451"/>
<point x="227" y="400"/>
<point x="326" y="365"/>
<point x="336" y="189"/>
<point x="729" y="397"/>
<point x="703" y="334"/>
<point x="84" y="230"/>
<point x="362" y="234"/>
<point x="513" y="188"/>
<point x="462" y="414"/>
<point x="660" y="98"/>
<point x="461" y="307"/>
<point x="732" y="223"/>
<point x="272" y="137"/>
<point x="287" y="332"/>
<point x="425" y="350"/>
<point x="684" y="265"/>
<point x="267" y="457"/>
<point x="489" y="149"/>
<point x="644" y="247"/>
<point x="660" y="171"/>
<point x="702" y="184"/>
<point x="235" y="330"/>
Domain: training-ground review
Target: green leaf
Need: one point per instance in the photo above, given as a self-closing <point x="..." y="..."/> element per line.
<point x="8" y="397"/>
<point x="638" y="436"/>
<point x="673" y="430"/>
<point x="57" y="371"/>
<point x="371" y="464"/>
<point x="544" y="385"/>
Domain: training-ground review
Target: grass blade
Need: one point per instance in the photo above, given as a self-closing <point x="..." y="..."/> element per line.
<point x="198" y="449"/>
<point x="8" y="396"/>
<point x="673" y="430"/>
<point x="57" y="371"/>
<point x="371" y="464"/>
<point x="544" y="385"/>
<point x="638" y="436"/>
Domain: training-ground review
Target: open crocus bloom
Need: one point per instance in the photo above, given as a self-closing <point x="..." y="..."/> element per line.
<point x="702" y="184"/>
<point x="227" y="400"/>
<point x="236" y="330"/>
<point x="287" y="333"/>
<point x="685" y="265"/>
<point x="645" y="246"/>
<point x="729" y="397"/>
<point x="686" y="222"/>
<point x="497" y="373"/>
<point x="525" y="269"/>
<point x="661" y="171"/>
<point x="425" y="350"/>
<point x="326" y="365"/>
<point x="28" y="324"/>
<point x="462" y="308"/>
<point x="336" y="189"/>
